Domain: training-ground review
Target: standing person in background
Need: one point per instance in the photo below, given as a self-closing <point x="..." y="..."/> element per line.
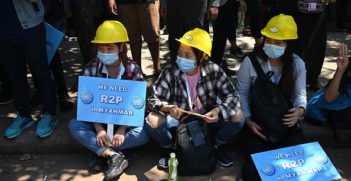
<point x="225" y="27"/>
<point x="22" y="42"/>
<point x="54" y="15"/>
<point x="312" y="42"/>
<point x="142" y="20"/>
<point x="185" y="15"/>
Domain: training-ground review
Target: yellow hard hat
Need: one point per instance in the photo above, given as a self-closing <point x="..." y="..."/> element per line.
<point x="111" y="31"/>
<point x="281" y="27"/>
<point x="199" y="39"/>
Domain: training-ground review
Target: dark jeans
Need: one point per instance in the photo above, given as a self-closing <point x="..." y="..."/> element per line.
<point x="183" y="15"/>
<point x="255" y="144"/>
<point x="223" y="131"/>
<point x="223" y="27"/>
<point x="57" y="71"/>
<point x="254" y="11"/>
<point x="30" y="50"/>
<point x="5" y="82"/>
<point x="341" y="13"/>
<point x="312" y="43"/>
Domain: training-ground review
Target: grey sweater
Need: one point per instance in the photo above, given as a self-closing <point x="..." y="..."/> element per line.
<point x="247" y="77"/>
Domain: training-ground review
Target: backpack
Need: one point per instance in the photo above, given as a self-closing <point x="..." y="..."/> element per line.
<point x="268" y="104"/>
<point x="311" y="6"/>
<point x="194" y="148"/>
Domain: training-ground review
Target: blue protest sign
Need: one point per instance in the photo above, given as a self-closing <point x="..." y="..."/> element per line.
<point x="111" y="101"/>
<point x="303" y="162"/>
<point x="53" y="40"/>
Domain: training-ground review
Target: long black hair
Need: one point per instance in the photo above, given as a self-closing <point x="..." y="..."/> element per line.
<point x="287" y="82"/>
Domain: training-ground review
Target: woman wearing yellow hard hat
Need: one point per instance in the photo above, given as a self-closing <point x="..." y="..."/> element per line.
<point x="273" y="62"/>
<point x="194" y="84"/>
<point x="111" y="62"/>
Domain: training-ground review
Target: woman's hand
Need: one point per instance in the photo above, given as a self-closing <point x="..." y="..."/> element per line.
<point x="175" y="112"/>
<point x="291" y="118"/>
<point x="212" y="116"/>
<point x="255" y="128"/>
<point x="118" y="138"/>
<point x="102" y="139"/>
<point x="343" y="59"/>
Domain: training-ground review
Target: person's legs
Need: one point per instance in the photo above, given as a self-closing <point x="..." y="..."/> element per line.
<point x="15" y="67"/>
<point x="38" y="64"/>
<point x="317" y="52"/>
<point x="16" y="70"/>
<point x="129" y="16"/>
<point x="254" y="144"/>
<point x="84" y="133"/>
<point x="134" y="137"/>
<point x="163" y="133"/>
<point x="223" y="132"/>
<point x="150" y="28"/>
<point x="222" y="28"/>
<point x="57" y="71"/>
<point x="254" y="10"/>
<point x="341" y="9"/>
<point x="5" y="94"/>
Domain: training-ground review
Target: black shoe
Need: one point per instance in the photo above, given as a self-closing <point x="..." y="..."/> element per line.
<point x="237" y="53"/>
<point x="163" y="161"/>
<point x="65" y="103"/>
<point x="116" y="164"/>
<point x="98" y="163"/>
<point x="5" y="99"/>
<point x="223" y="158"/>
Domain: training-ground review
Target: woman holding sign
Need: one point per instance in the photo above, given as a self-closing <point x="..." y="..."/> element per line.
<point x="272" y="88"/>
<point x="195" y="86"/>
<point x="111" y="62"/>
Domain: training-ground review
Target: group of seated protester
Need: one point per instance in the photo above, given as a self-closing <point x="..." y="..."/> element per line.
<point x="194" y="88"/>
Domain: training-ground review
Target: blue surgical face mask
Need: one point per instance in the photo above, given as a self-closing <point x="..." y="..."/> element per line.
<point x="185" y="65"/>
<point x="273" y="51"/>
<point x="107" y="58"/>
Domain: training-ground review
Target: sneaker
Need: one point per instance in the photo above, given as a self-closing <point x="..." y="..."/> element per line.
<point x="98" y="163"/>
<point x="116" y="164"/>
<point x="163" y="161"/>
<point x="65" y="103"/>
<point x="223" y="158"/>
<point x="225" y="66"/>
<point x="19" y="124"/>
<point x="46" y="125"/>
<point x="237" y="53"/>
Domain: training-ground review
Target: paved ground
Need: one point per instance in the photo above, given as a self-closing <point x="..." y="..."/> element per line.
<point x="60" y="158"/>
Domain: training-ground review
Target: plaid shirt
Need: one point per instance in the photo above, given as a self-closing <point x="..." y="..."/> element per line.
<point x="132" y="71"/>
<point x="170" y="88"/>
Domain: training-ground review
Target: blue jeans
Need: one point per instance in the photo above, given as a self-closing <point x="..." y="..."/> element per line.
<point x="85" y="134"/>
<point x="222" y="131"/>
